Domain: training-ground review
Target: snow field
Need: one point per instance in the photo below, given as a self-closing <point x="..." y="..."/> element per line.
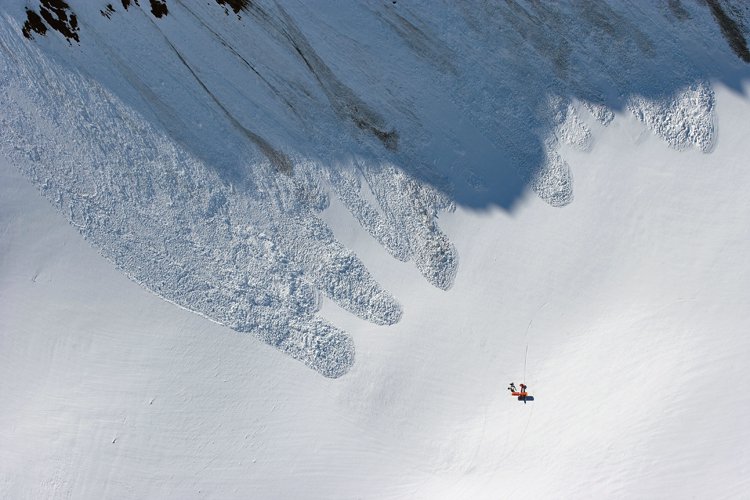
<point x="257" y="184"/>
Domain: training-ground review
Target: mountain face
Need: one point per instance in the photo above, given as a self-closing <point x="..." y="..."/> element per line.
<point x="198" y="145"/>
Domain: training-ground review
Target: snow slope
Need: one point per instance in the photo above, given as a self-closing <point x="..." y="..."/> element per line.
<point x="636" y="294"/>
<point x="630" y="298"/>
<point x="196" y="146"/>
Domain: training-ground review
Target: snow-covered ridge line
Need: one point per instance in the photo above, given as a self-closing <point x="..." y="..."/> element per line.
<point x="197" y="149"/>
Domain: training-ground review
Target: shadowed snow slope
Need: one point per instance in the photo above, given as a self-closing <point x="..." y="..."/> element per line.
<point x="310" y="175"/>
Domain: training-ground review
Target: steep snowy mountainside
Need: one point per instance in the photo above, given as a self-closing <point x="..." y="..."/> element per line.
<point x="631" y="301"/>
<point x="197" y="144"/>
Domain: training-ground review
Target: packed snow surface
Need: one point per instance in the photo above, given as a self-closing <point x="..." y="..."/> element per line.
<point x="462" y="194"/>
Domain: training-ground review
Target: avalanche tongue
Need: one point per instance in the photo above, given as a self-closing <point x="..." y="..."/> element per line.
<point x="196" y="144"/>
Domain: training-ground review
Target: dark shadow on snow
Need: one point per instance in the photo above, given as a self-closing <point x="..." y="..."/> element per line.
<point x="474" y="124"/>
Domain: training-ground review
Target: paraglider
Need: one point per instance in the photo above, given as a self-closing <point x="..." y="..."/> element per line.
<point x="523" y="394"/>
<point x="516" y="392"/>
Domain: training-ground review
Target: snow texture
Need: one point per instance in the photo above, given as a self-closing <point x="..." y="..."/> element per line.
<point x="311" y="174"/>
<point x="602" y="114"/>
<point x="683" y="120"/>
<point x="197" y="147"/>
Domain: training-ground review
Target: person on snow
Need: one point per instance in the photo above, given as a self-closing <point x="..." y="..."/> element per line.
<point x="523" y="387"/>
<point x="512" y="387"/>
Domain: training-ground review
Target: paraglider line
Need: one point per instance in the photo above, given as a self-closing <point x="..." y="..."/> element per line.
<point x="525" y="356"/>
